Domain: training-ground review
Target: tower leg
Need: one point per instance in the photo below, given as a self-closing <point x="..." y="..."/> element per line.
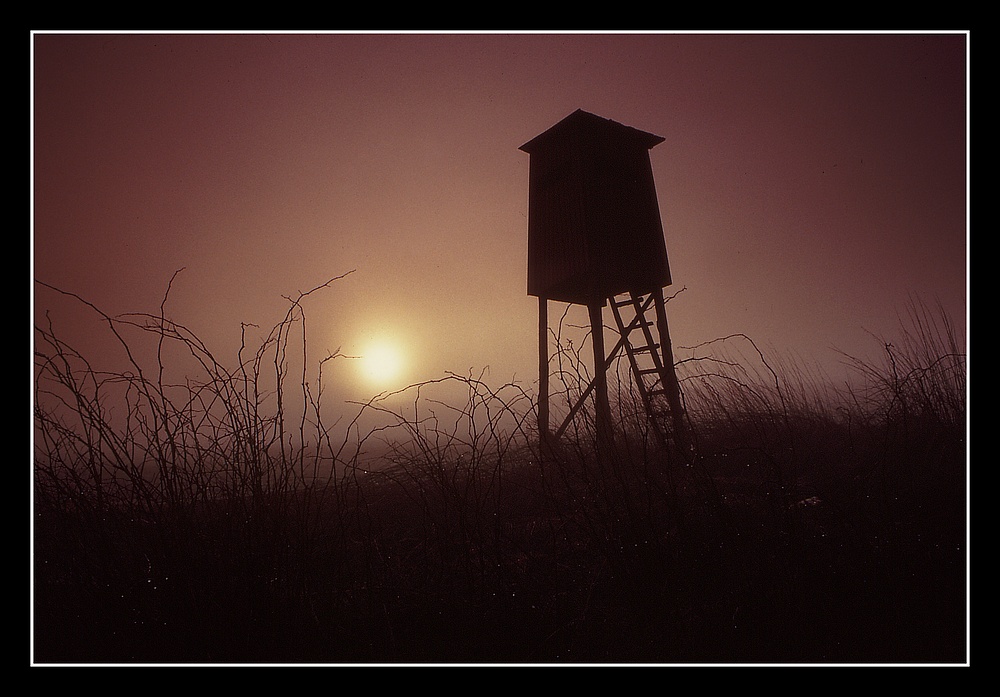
<point x="602" y="407"/>
<point x="673" y="392"/>
<point x="543" y="370"/>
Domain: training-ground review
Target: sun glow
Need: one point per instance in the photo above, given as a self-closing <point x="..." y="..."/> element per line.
<point x="382" y="363"/>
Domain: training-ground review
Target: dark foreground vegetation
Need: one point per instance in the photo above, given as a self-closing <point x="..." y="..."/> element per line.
<point x="200" y="522"/>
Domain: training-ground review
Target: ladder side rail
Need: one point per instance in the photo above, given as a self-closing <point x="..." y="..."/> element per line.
<point x="644" y="392"/>
<point x="633" y="363"/>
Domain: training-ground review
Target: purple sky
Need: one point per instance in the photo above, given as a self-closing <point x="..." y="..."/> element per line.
<point x="809" y="185"/>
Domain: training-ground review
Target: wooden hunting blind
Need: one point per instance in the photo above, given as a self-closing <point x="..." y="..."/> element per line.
<point x="593" y="219"/>
<point x="594" y="234"/>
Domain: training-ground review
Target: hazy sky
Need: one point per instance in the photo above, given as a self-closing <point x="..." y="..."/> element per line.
<point x="808" y="184"/>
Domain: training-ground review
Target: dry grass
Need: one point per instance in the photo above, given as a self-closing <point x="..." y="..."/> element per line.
<point x="201" y="522"/>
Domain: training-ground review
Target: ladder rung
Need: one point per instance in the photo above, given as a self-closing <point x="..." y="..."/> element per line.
<point x="646" y="349"/>
<point x="648" y="371"/>
<point x="632" y="326"/>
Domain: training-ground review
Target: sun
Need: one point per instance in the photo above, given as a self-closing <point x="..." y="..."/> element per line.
<point x="382" y="363"/>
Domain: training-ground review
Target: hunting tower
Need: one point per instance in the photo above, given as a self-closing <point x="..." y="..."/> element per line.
<point x="595" y="238"/>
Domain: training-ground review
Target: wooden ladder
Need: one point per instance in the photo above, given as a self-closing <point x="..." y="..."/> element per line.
<point x="651" y="363"/>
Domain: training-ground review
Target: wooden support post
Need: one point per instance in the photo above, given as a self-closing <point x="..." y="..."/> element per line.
<point x="670" y="376"/>
<point x="602" y="408"/>
<point x="543" y="370"/>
